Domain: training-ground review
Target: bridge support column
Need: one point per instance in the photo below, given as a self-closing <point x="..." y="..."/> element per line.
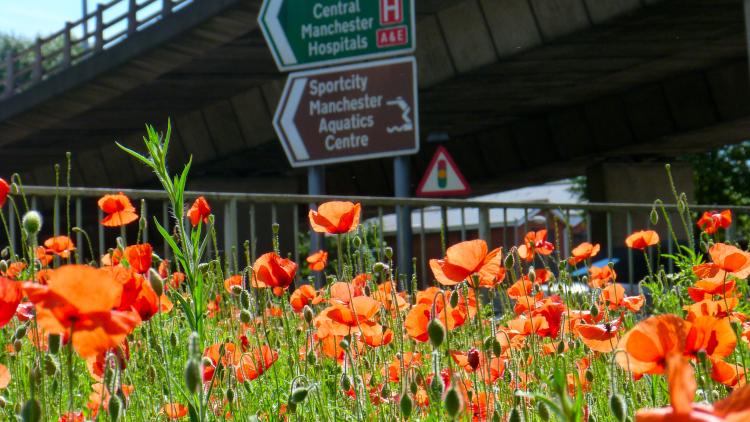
<point x="635" y="183"/>
<point x="404" y="254"/>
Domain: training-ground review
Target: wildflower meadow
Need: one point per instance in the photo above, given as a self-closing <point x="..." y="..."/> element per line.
<point x="494" y="335"/>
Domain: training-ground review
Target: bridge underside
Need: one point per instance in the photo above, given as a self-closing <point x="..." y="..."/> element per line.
<point x="526" y="90"/>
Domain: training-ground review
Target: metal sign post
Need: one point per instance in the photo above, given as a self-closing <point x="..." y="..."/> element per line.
<point x="316" y="185"/>
<point x="402" y="189"/>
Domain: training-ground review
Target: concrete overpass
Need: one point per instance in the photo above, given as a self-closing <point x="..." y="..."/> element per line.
<point x="526" y="91"/>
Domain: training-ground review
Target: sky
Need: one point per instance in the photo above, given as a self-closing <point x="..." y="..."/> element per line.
<point x="29" y="18"/>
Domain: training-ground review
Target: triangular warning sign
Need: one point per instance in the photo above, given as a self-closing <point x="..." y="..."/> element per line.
<point x="443" y="178"/>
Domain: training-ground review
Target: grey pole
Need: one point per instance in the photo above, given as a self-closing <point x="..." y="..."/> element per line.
<point x="316" y="185"/>
<point x="85" y="24"/>
<point x="402" y="189"/>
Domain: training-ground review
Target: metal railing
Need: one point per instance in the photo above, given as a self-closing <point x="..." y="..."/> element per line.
<point x="249" y="216"/>
<point x="110" y="23"/>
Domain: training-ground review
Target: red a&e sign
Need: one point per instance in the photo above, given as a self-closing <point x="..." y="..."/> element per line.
<point x="391" y="12"/>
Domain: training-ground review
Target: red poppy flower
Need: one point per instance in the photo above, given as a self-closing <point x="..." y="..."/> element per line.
<point x="139" y="257"/>
<point x="464" y="259"/>
<point x="72" y="417"/>
<point x="600" y="276"/>
<point x="583" y="252"/>
<point x="318" y="260"/>
<point x="174" y="411"/>
<point x="535" y="243"/>
<point x="304" y="295"/>
<point x="648" y="345"/>
<point x="61" y="246"/>
<point x="119" y="210"/>
<point x="138" y="295"/>
<point x="600" y="337"/>
<point x="254" y="364"/>
<point x="711" y="221"/>
<point x="10" y="297"/>
<point x="727" y="260"/>
<point x="711" y="335"/>
<point x="81" y="299"/>
<point x="335" y="217"/>
<point x="4" y="190"/>
<point x="199" y="211"/>
<point x="729" y="374"/>
<point x="271" y="270"/>
<point x="235" y="280"/>
<point x="642" y="239"/>
<point x="14" y="270"/>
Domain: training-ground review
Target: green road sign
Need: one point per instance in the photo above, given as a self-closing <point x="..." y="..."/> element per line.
<point x="314" y="33"/>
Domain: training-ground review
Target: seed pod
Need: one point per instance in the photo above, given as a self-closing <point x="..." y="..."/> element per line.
<point x="437" y="385"/>
<point x="436" y="332"/>
<point x="193" y="348"/>
<point x="454" y="298"/>
<point x="452" y="402"/>
<point x="31" y="411"/>
<point x="230" y="394"/>
<point x="157" y="284"/>
<point x="311" y="357"/>
<point x="561" y="347"/>
<point x="192" y="375"/>
<point x="388" y="252"/>
<point x="618" y="407"/>
<point x="114" y="407"/>
<point x="3" y="266"/>
<point x="32" y="223"/>
<point x="357" y="242"/>
<point x="508" y="262"/>
<point x="245" y="316"/>
<point x="594" y="311"/>
<point x="17" y="346"/>
<point x="173" y="340"/>
<point x="50" y="365"/>
<point x="406" y="405"/>
<point x="298" y="395"/>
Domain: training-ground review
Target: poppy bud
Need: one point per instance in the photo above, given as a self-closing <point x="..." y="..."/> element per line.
<point x="311" y="357"/>
<point x="654" y="216"/>
<point x="192" y="375"/>
<point x="455" y="296"/>
<point x="378" y="267"/>
<point x="230" y="394"/>
<point x="3" y="266"/>
<point x="508" y="262"/>
<point x="307" y="312"/>
<point x="496" y="416"/>
<point x="114" y="407"/>
<point x="437" y="385"/>
<point x="413" y="387"/>
<point x="436" y="332"/>
<point x="35" y="375"/>
<point x="157" y="284"/>
<point x="173" y="339"/>
<point x="388" y="252"/>
<point x="344" y="344"/>
<point x="245" y="299"/>
<point x="357" y="242"/>
<point x="589" y="375"/>
<point x="142" y="223"/>
<point x="368" y="291"/>
<point x="617" y="406"/>
<point x="298" y="395"/>
<point x="561" y="347"/>
<point x="385" y="391"/>
<point x="17" y="346"/>
<point x="20" y="332"/>
<point x="346" y="382"/>
<point x="452" y="402"/>
<point x="515" y="415"/>
<point x="594" y="311"/>
<point x="236" y="290"/>
<point x="3" y="402"/>
<point x="543" y="411"/>
<point x="406" y="405"/>
<point x="702" y="356"/>
<point x="611" y="265"/>
<point x="31" y="411"/>
<point x="532" y="274"/>
<point x="32" y="223"/>
<point x="245" y="316"/>
<point x="704" y="246"/>
<point x="473" y="358"/>
<point x="715" y="396"/>
<point x="497" y="349"/>
<point x="585" y="279"/>
<point x="50" y="365"/>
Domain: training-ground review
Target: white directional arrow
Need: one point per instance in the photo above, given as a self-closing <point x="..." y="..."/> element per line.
<point x="274" y="33"/>
<point x="293" y="99"/>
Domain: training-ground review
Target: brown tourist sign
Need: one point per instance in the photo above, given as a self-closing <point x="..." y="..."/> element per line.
<point x="350" y="113"/>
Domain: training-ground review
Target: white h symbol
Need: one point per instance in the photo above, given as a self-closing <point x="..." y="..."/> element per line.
<point x="390" y="11"/>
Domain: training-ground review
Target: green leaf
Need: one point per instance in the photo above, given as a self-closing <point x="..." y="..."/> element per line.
<point x="168" y="238"/>
<point x="138" y="156"/>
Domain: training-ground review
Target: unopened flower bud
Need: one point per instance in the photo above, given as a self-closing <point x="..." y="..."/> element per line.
<point x="532" y="274"/>
<point x="245" y="316"/>
<point x="437" y="385"/>
<point x="454" y="298"/>
<point x="406" y="406"/>
<point x="157" y="284"/>
<point x="594" y="311"/>
<point x="357" y="242"/>
<point x="543" y="411"/>
<point x="20" y="332"/>
<point x="515" y="415"/>
<point x="50" y="365"/>
<point x="436" y="332"/>
<point x="298" y="395"/>
<point x="388" y="252"/>
<point x="230" y="394"/>
<point x="245" y="299"/>
<point x="17" y="346"/>
<point x="31" y="411"/>
<point x="453" y="402"/>
<point x="32" y="222"/>
<point x="236" y="290"/>
<point x="54" y="341"/>
<point x="654" y="216"/>
<point x="378" y="267"/>
<point x="114" y="407"/>
<point x="192" y="375"/>
<point x="344" y="344"/>
<point x="193" y="347"/>
<point x="508" y="262"/>
<point x="618" y="407"/>
<point x="275" y="228"/>
<point x="346" y="382"/>
<point x="3" y="266"/>
<point x="473" y="358"/>
<point x="307" y="312"/>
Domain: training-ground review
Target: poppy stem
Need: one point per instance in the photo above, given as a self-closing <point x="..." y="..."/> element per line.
<point x="340" y="257"/>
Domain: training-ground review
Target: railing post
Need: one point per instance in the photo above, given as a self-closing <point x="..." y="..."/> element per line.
<point x="99" y="30"/>
<point x="404" y="239"/>
<point x="9" y="76"/>
<point x="132" y="18"/>
<point x="484" y="225"/>
<point x="36" y="71"/>
<point x="166" y="8"/>
<point x="67" y="45"/>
